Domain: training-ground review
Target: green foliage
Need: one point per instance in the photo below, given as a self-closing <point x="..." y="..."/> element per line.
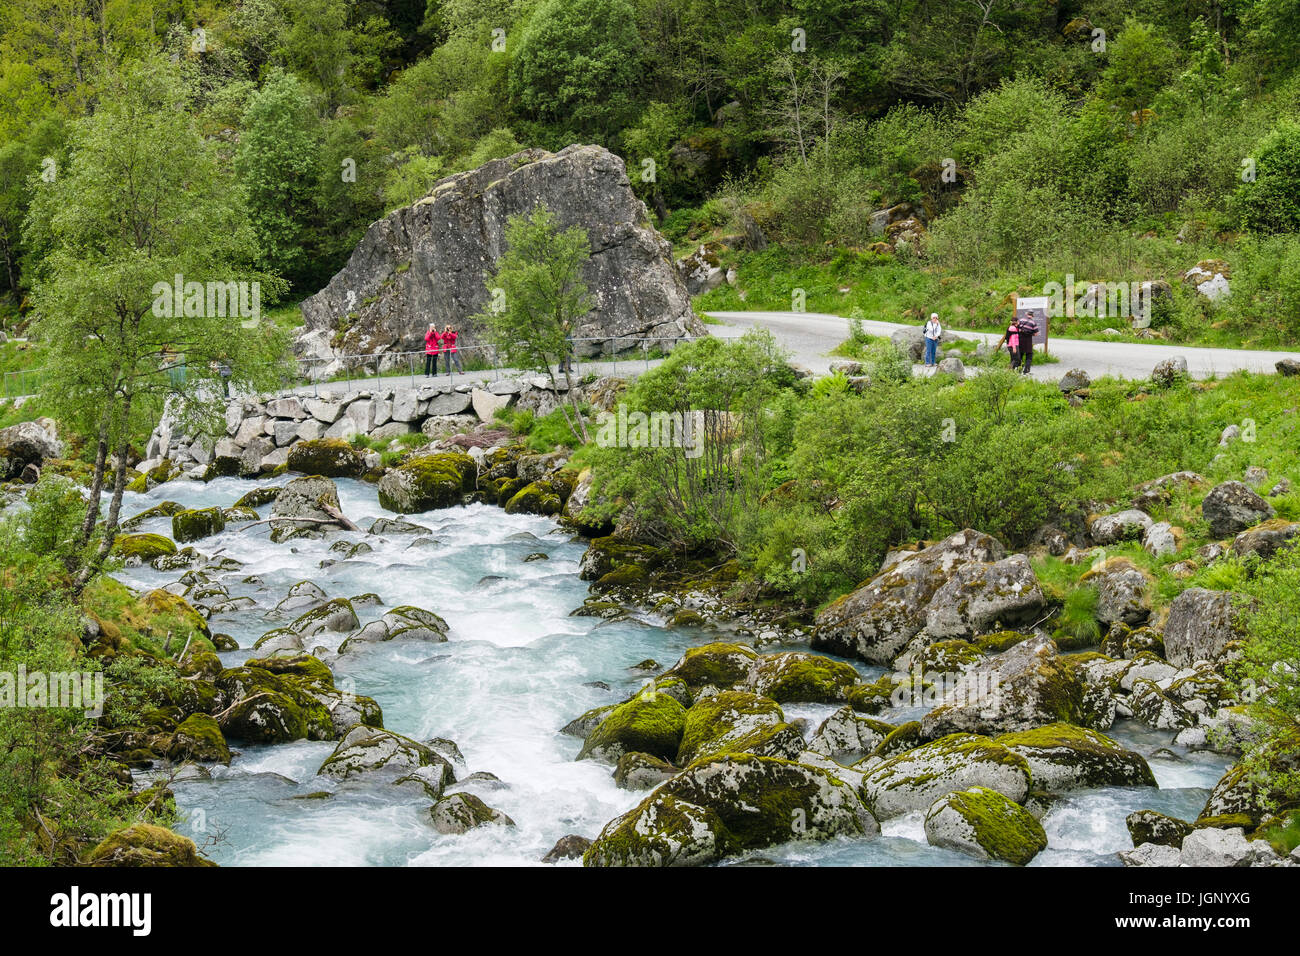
<point x="576" y="63"/>
<point x="537" y="297"/>
<point x="278" y="165"/>
<point x="1271" y="203"/>
<point x="1268" y="675"/>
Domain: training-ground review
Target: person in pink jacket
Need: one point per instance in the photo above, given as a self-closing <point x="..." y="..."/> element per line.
<point x="449" y="346"/>
<point x="432" y="346"/>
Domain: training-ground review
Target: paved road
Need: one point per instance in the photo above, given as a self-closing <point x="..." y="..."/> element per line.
<point x="811" y="335"/>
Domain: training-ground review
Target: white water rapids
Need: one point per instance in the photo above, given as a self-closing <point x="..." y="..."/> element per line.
<point x="516" y="669"/>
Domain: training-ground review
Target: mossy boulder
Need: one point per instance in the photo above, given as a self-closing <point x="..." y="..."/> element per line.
<point x="535" y="498"/>
<point x="650" y="723"/>
<point x="144" y="844"/>
<point x="719" y="807"/>
<point x="720" y="664"/>
<point x="874" y="697"/>
<point x="796" y="677"/>
<point x="258" y="497"/>
<point x="914" y="780"/>
<point x="985" y="824"/>
<point x="164" y="509"/>
<point x="259" y="705"/>
<point x="199" y="738"/>
<point x="462" y="812"/>
<point x="948" y="658"/>
<point x="335" y="615"/>
<point x="661" y="831"/>
<point x="637" y="771"/>
<point x="1065" y="757"/>
<point x="196" y="523"/>
<point x="1148" y="826"/>
<point x="736" y="721"/>
<point x="302" y="508"/>
<point x="381" y="756"/>
<point x="847" y="732"/>
<point x="142" y="548"/>
<point x="427" y="482"/>
<point x="414" y="623"/>
<point x="330" y="457"/>
<point x="1240" y="792"/>
<point x="608" y="554"/>
<point x="1028" y="686"/>
<point x="168" y="605"/>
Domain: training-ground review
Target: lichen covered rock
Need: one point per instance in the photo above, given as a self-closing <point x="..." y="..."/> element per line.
<point x="984" y="824"/>
<point x="196" y="523"/>
<point x="427" y="482"/>
<point x="733" y="722"/>
<point x="795" y="677"/>
<point x="913" y="780"/>
<point x="462" y="812"/>
<point x="329" y="457"/>
<point x="725" y="806"/>
<point x="1065" y="757"/>
<point x="144" y="844"/>
<point x="650" y="723"/>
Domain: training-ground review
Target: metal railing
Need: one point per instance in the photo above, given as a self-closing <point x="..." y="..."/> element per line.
<point x="406" y="369"/>
<point x="479" y="363"/>
<point x="22" y="382"/>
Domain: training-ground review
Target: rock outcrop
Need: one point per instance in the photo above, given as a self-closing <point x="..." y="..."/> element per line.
<point x="426" y="262"/>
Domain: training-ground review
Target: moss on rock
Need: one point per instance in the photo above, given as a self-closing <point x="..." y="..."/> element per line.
<point x="650" y="723"/>
<point x="196" y="523"/>
<point x="985" y="824"/>
<point x="144" y="844"/>
<point x="427" y="482"/>
<point x="330" y="457"/>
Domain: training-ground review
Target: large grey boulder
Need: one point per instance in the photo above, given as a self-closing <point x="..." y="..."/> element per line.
<point x="1028" y="686"/>
<point x="425" y="262"/>
<point x="1233" y="507"/>
<point x="915" y="779"/>
<point x="301" y="507"/>
<point x="978" y="596"/>
<point x="876" y="621"/>
<point x="1200" y="625"/>
<point x="27" y="443"/>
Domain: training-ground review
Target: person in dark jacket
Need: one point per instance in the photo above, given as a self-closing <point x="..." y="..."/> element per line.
<point x="432" y="344"/>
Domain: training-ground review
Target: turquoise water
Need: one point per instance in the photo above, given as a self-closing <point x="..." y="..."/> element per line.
<point x="516" y="669"/>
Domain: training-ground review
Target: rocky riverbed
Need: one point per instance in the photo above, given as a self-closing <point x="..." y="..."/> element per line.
<point x="513" y="726"/>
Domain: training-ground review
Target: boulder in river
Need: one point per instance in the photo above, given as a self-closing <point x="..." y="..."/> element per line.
<point x="426" y="482"/>
<point x="462" y="812"/>
<point x="984" y="824"/>
<point x="330" y="457"/>
<point x="373" y="755"/>
<point x="914" y="779"/>
<point x="304" y="508"/>
<point x="1065" y="757"/>
<point x="726" y="806"/>
<point x="734" y="721"/>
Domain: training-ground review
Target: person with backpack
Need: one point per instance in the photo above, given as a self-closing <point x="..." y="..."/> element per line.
<point x="449" y="346"/>
<point x="1010" y="338"/>
<point x="1026" y="329"/>
<point x="432" y="345"/>
<point x="933" y="332"/>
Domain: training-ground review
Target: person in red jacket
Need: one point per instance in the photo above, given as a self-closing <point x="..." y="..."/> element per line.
<point x="449" y="346"/>
<point x="432" y="345"/>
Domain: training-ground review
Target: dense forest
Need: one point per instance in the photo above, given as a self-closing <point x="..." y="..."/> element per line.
<point x="1111" y="140"/>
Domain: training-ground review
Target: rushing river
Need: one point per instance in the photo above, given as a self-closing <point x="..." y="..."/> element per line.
<point x="517" y="668"/>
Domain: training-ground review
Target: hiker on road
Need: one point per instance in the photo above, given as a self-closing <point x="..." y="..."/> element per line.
<point x="933" y="332"/>
<point x="1010" y="337"/>
<point x="1026" y="329"/>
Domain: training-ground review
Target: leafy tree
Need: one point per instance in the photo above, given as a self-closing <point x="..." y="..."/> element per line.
<point x="141" y="202"/>
<point x="537" y="300"/>
<point x="1140" y="63"/>
<point x="576" y="65"/>
<point x="279" y="164"/>
<point x="695" y="465"/>
<point x="1271" y="203"/>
